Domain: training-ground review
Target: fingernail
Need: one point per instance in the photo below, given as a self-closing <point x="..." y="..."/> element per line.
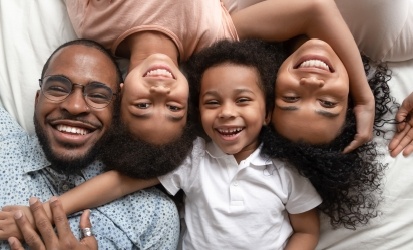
<point x="53" y="199"/>
<point x="32" y="200"/>
<point x="11" y="241"/>
<point x="18" y="214"/>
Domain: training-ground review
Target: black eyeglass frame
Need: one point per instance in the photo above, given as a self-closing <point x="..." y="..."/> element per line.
<point x="74" y="85"/>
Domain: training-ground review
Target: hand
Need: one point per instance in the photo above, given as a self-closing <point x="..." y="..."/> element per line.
<point x="8" y="227"/>
<point x="402" y="141"/>
<point x="365" y="120"/>
<point x="65" y="238"/>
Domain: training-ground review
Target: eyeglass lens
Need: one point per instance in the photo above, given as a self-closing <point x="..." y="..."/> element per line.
<point x="58" y="88"/>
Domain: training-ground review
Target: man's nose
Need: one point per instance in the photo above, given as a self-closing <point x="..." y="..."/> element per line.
<point x="75" y="103"/>
<point x="312" y="82"/>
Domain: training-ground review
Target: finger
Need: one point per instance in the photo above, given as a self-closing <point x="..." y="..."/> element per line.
<point x="60" y="220"/>
<point x="405" y="142"/>
<point x="89" y="241"/>
<point x="15" y="244"/>
<point x="398" y="137"/>
<point x="44" y="226"/>
<point x="400" y="141"/>
<point x="10" y="208"/>
<point x="357" y="142"/>
<point x="30" y="236"/>
<point x="408" y="150"/>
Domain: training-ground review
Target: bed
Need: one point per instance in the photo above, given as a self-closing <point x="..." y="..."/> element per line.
<point x="31" y="29"/>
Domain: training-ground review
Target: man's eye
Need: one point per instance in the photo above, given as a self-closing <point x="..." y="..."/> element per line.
<point x="142" y="105"/>
<point x="327" y="104"/>
<point x="290" y="99"/>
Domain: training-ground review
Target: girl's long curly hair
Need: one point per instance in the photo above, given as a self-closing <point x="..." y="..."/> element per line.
<point x="349" y="184"/>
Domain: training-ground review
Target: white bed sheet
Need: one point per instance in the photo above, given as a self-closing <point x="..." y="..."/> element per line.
<point x="31" y="29"/>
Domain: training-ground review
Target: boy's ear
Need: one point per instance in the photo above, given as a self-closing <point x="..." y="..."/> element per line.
<point x="267" y="119"/>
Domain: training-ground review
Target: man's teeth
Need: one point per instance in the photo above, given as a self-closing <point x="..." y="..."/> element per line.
<point x="314" y="64"/>
<point x="73" y="130"/>
<point x="159" y="72"/>
<point x="230" y="131"/>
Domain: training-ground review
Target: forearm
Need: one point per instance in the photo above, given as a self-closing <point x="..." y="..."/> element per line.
<point x="302" y="241"/>
<point x="279" y="20"/>
<point x="100" y="190"/>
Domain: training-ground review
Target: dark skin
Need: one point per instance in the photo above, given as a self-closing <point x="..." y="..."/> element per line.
<point x="46" y="237"/>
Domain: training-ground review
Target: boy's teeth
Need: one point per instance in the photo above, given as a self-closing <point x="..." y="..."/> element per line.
<point x="73" y="130"/>
<point x="159" y="72"/>
<point x="314" y="64"/>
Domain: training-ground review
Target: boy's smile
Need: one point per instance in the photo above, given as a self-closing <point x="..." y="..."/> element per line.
<point x="232" y="108"/>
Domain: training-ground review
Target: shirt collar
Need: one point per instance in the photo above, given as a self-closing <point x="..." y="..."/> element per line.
<point x="256" y="158"/>
<point x="35" y="158"/>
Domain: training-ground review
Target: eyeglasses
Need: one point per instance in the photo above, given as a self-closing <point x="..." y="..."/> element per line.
<point x="57" y="88"/>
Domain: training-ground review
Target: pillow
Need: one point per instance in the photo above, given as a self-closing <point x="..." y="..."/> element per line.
<point x="30" y="31"/>
<point x="383" y="29"/>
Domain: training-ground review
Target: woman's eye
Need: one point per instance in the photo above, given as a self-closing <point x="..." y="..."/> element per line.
<point x="142" y="105"/>
<point x="328" y="104"/>
<point x="290" y="99"/>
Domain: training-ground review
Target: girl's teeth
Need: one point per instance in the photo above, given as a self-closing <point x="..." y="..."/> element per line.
<point x="314" y="64"/>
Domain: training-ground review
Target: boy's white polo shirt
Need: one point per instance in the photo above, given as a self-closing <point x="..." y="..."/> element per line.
<point x="238" y="206"/>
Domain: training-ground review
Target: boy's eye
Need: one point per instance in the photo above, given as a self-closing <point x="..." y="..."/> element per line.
<point x="243" y="100"/>
<point x="290" y="99"/>
<point x="211" y="102"/>
<point x="142" y="105"/>
<point x="327" y="104"/>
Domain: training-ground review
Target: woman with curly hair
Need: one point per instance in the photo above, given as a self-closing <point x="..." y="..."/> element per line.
<point x="312" y="86"/>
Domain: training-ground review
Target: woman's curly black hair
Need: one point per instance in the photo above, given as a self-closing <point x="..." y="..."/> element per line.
<point x="349" y="184"/>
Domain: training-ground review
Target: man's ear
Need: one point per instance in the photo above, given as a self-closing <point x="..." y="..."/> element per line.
<point x="36" y="98"/>
<point x="121" y="87"/>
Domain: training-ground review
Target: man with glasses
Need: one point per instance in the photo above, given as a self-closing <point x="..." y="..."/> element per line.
<point x="73" y="111"/>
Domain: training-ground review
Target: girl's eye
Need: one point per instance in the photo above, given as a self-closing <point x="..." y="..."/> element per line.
<point x="174" y="108"/>
<point x="290" y="99"/>
<point x="327" y="104"/>
<point x="142" y="105"/>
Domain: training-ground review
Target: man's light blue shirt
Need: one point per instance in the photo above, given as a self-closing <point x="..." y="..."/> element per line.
<point x="146" y="219"/>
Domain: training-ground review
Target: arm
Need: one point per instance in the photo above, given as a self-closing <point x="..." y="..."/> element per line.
<point x="278" y="20"/>
<point x="99" y="190"/>
<point x="403" y="139"/>
<point x="306" y="228"/>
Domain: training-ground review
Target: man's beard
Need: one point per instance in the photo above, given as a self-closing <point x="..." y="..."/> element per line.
<point x="63" y="163"/>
